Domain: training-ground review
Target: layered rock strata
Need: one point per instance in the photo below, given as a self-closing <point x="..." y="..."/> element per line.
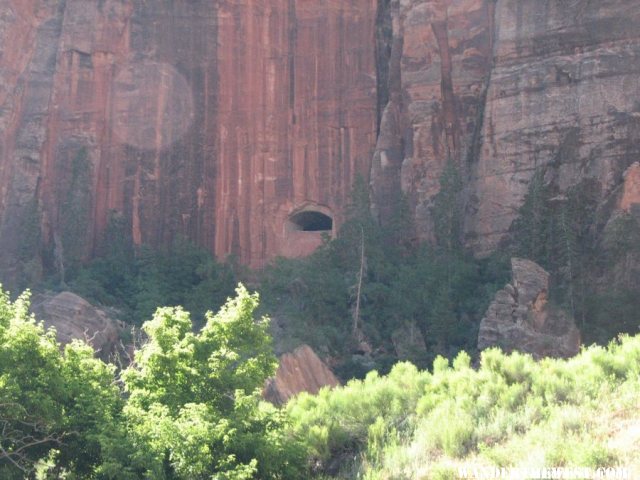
<point x="221" y="120"/>
<point x="501" y="89"/>
<point x="563" y="97"/>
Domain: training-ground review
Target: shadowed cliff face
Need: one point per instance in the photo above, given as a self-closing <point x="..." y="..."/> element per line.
<point x="212" y="119"/>
<point x="564" y="93"/>
<point x="502" y="88"/>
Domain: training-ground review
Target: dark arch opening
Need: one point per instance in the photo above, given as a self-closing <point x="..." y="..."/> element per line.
<point x="311" y="221"/>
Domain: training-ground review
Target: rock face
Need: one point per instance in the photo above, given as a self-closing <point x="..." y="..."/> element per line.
<point x="224" y="120"/>
<point x="563" y="95"/>
<point x="300" y="371"/>
<point x="630" y="197"/>
<point x="502" y="88"/>
<point x="75" y="318"/>
<point x="520" y="318"/>
<point x="217" y="120"/>
<point x="438" y="59"/>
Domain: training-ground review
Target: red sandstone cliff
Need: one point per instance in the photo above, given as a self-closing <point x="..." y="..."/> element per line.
<point x="221" y="119"/>
<point x="212" y="119"/>
<point x="439" y="56"/>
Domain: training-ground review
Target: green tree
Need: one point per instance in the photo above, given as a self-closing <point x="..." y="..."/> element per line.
<point x="54" y="404"/>
<point x="531" y="228"/>
<point x="447" y="210"/>
<point x="194" y="410"/>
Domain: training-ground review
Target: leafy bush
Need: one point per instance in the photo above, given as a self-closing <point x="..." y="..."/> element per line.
<point x="138" y="280"/>
<point x="52" y="403"/>
<point x="193" y="404"/>
<point x="189" y="406"/>
<point x="441" y="290"/>
<point x="511" y="411"/>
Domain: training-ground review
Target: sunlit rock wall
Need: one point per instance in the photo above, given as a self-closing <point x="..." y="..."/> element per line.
<point x="210" y="119"/>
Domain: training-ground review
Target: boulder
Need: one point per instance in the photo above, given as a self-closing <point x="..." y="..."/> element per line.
<point x="300" y="371"/>
<point x="75" y="318"/>
<point x="521" y="318"/>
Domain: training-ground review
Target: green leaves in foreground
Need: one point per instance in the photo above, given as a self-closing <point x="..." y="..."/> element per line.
<point x="53" y="403"/>
<point x="187" y="408"/>
<point x="510" y="411"/>
<point x="194" y="406"/>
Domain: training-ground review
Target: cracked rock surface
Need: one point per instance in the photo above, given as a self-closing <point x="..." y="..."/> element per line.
<point x="521" y="318"/>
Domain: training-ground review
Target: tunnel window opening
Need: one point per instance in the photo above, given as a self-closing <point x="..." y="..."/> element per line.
<point x="311" y="221"/>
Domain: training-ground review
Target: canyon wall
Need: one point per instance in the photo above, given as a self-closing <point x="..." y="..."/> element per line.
<point x="215" y="120"/>
<point x="439" y="57"/>
<point x="564" y="96"/>
<point x="228" y="122"/>
<point x="502" y="88"/>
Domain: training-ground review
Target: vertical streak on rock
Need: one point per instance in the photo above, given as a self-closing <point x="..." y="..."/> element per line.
<point x="298" y="118"/>
<point x="136" y="233"/>
<point x="441" y="77"/>
<point x="159" y="126"/>
<point x="49" y="119"/>
<point x="384" y="41"/>
<point x="449" y="113"/>
<point x="28" y="59"/>
<point x="292" y="34"/>
<point x="473" y="152"/>
<point x="112" y="44"/>
<point x="491" y="14"/>
<point x="283" y="116"/>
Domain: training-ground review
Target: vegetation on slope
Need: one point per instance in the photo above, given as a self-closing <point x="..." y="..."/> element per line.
<point x="189" y="408"/>
<point x="374" y="283"/>
<point x="439" y="291"/>
<point x="136" y="280"/>
<point x="510" y="412"/>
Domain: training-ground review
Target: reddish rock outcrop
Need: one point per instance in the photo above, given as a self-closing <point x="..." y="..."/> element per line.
<point x="211" y="119"/>
<point x="520" y="318"/>
<point x="439" y="62"/>
<point x="300" y="371"/>
<point x="75" y="318"/>
<point x="630" y="188"/>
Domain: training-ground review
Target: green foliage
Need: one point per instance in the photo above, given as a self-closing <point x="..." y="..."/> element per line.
<point x="447" y="209"/>
<point x="590" y="266"/>
<point x="441" y="290"/>
<point x="30" y="236"/>
<point x="51" y="401"/>
<point x="194" y="408"/>
<point x="340" y="422"/>
<point x="190" y="405"/>
<point x="531" y="228"/>
<point x="511" y="411"/>
<point x="138" y="281"/>
<point x="74" y="212"/>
